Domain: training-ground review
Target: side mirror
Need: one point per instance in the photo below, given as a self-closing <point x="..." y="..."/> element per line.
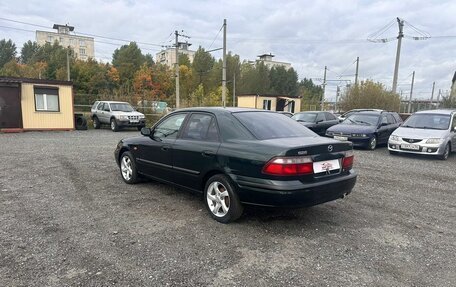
<point x="146" y="132"/>
<point x="384" y="124"/>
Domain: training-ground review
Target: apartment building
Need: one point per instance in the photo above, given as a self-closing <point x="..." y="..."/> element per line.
<point x="82" y="46"/>
<point x="267" y="60"/>
<point x="168" y="56"/>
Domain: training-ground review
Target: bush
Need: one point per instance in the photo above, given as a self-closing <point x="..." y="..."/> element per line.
<point x="370" y="95"/>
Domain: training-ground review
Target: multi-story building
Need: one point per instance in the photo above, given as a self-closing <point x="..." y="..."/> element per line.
<point x="82" y="46"/>
<point x="168" y="56"/>
<point x="267" y="60"/>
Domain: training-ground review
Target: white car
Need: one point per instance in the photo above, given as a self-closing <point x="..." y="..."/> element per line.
<point x="117" y="115"/>
<point x="426" y="132"/>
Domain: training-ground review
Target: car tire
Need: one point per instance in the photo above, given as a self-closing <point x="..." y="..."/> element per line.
<point x="114" y="126"/>
<point x="221" y="199"/>
<point x="446" y="152"/>
<point x="96" y="123"/>
<point x="372" y="143"/>
<point x="127" y="168"/>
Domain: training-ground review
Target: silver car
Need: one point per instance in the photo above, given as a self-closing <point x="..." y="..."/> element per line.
<point x="426" y="132"/>
<point x="117" y="115"/>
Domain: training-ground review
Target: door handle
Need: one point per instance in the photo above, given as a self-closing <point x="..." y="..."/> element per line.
<point x="208" y="153"/>
<point x="165" y="147"/>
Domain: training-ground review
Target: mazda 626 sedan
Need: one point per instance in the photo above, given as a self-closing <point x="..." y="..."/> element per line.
<point x="237" y="156"/>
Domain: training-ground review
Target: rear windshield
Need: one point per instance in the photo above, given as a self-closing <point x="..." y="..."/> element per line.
<point x="267" y="125"/>
<point x="305" y="117"/>
<point x="121" y="107"/>
<point x="428" y="121"/>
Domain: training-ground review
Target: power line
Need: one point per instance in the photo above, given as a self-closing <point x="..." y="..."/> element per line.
<point x="216" y="36"/>
<point x="83" y="34"/>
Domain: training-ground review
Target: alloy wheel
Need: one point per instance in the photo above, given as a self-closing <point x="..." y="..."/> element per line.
<point x="218" y="199"/>
<point x="126" y="168"/>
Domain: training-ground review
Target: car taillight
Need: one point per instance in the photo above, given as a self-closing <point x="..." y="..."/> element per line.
<point x="347" y="162"/>
<point x="284" y="166"/>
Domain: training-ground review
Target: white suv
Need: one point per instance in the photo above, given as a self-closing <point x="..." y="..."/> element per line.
<point x="117" y="115"/>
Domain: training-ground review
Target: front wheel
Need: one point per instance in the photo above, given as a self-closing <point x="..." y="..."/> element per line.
<point x="128" y="168"/>
<point x="221" y="199"/>
<point x="140" y="128"/>
<point x="114" y="126"/>
<point x="446" y="152"/>
<point x="372" y="143"/>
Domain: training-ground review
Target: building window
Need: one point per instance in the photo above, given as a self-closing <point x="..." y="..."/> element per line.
<point x="62" y="40"/>
<point x="291" y="106"/>
<point x="82" y="42"/>
<point x="47" y="100"/>
<point x="266" y="104"/>
<point x="50" y="39"/>
<point x="82" y="52"/>
<point x="71" y="42"/>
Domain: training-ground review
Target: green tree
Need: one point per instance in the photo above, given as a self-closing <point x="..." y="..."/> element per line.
<point x="7" y="51"/>
<point x="369" y="94"/>
<point x="448" y="102"/>
<point x="184" y="60"/>
<point x="127" y="60"/>
<point x="310" y="93"/>
<point x="29" y="49"/>
<point x="283" y="81"/>
<point x="202" y="65"/>
<point x="55" y="56"/>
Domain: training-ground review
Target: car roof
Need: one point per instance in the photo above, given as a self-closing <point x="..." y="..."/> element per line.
<point x="440" y="111"/>
<point x="221" y="110"/>
<point x="114" y="102"/>
<point x="303" y="112"/>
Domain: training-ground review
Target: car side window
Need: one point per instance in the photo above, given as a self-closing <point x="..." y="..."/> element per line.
<point x="453" y="125"/>
<point x="198" y="127"/>
<point x="100" y="106"/>
<point x="384" y="120"/>
<point x="391" y="119"/>
<point x="320" y="117"/>
<point x="169" y="128"/>
<point x="106" y="107"/>
<point x="330" y="117"/>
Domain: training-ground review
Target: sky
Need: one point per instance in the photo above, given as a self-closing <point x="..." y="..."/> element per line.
<point x="308" y="34"/>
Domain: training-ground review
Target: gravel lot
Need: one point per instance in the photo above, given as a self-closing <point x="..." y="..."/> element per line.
<point x="67" y="219"/>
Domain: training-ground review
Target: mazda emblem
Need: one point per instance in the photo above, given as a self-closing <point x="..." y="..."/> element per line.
<point x="330" y="148"/>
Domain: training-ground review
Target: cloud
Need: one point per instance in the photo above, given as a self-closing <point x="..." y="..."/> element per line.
<point x="309" y="34"/>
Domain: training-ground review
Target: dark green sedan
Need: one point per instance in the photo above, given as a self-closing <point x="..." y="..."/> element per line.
<point x="236" y="156"/>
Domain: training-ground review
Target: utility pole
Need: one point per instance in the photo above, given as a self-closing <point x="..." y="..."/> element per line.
<point x="324" y="86"/>
<point x="356" y="73"/>
<point x="438" y="98"/>
<point x="398" y="52"/>
<point x="411" y="93"/>
<point x="432" y="94"/>
<point x="224" y="65"/>
<point x="67" y="64"/>
<point x="337" y="96"/>
<point x="234" y="89"/>
<point x="177" y="69"/>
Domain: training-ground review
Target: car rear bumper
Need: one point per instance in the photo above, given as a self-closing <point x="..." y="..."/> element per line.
<point x="294" y="193"/>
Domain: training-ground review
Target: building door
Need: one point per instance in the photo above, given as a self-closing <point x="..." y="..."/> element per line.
<point x="10" y="106"/>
